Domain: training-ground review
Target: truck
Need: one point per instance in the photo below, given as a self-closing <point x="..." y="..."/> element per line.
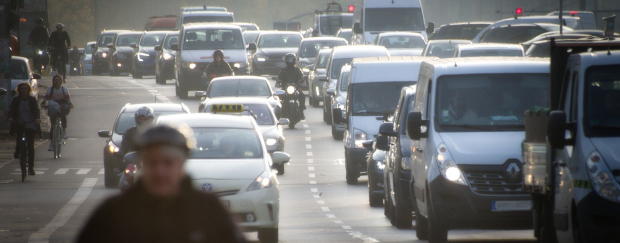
<point x="334" y="18"/>
<point x="571" y="152"/>
<point x="371" y="17"/>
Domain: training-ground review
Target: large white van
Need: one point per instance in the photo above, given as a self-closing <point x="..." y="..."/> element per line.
<point x="195" y="50"/>
<point x="374" y="90"/>
<point x="372" y="17"/>
<point x="340" y="56"/>
<point x="188" y="17"/>
<point x="466" y="128"/>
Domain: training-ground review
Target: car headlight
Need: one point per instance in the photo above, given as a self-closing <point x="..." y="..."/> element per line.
<point x="447" y="166"/>
<point x="603" y="181"/>
<point x="305" y="70"/>
<point x="189" y="65"/>
<point x="142" y="56"/>
<point x="405" y="163"/>
<point x="40" y="52"/>
<point x="380" y="165"/>
<point x="167" y="56"/>
<point x="260" y="58"/>
<point x="359" y="137"/>
<point x="113" y="148"/>
<point x="290" y="90"/>
<point x="271" y="141"/>
<point x="263" y="181"/>
<point x="104" y="54"/>
<point x="236" y="65"/>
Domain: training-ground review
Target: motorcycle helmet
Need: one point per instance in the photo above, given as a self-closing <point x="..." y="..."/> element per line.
<point x="60" y="26"/>
<point x="145" y="112"/>
<point x="290" y="59"/>
<point x="39" y="21"/>
<point x="181" y="137"/>
<point x="218" y="53"/>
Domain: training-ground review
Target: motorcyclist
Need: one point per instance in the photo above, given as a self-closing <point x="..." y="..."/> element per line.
<point x="38" y="37"/>
<point x="58" y="43"/>
<point x="219" y="67"/>
<point x="292" y="75"/>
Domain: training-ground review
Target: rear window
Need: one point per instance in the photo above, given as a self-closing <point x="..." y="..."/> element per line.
<point x="127" y="120"/>
<point x="514" y="35"/>
<point x="460" y="32"/>
<point x="279" y="41"/>
<point x="491" y="53"/>
<point x="105" y="39"/>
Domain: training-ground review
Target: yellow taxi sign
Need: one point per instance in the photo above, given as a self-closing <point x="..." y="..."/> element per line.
<point x="227" y="108"/>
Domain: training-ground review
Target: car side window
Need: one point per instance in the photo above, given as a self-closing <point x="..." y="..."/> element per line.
<point x="574" y="97"/>
<point x="567" y="94"/>
<point x="398" y="112"/>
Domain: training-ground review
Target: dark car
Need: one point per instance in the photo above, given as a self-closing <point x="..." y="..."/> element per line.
<point x="144" y="57"/>
<point x="517" y="33"/>
<point x="271" y="46"/>
<point x="316" y="77"/>
<point x="121" y="52"/>
<point x="101" y="50"/>
<point x="376" y="164"/>
<point x="164" y="60"/>
<point x="397" y="174"/>
<point x="459" y="31"/>
<point x="309" y="48"/>
<point x="125" y="120"/>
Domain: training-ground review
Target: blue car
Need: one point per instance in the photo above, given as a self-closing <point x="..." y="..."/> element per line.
<point x="164" y="60"/>
<point x="144" y="57"/>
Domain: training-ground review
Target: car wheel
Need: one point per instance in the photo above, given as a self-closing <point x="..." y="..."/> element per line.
<point x="436" y="232"/>
<point x="268" y="235"/>
<point x="336" y="134"/>
<point x="157" y="79"/>
<point x="403" y="208"/>
<point x="391" y="210"/>
<point x="373" y="199"/>
<point x="95" y="71"/>
<point x="421" y="225"/>
<point x="351" y="174"/>
<point x="111" y="179"/>
<point x="181" y="92"/>
<point x="280" y="169"/>
<point x="291" y="125"/>
<point x="327" y="118"/>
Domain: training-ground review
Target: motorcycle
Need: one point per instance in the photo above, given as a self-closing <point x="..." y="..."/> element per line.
<point x="290" y="104"/>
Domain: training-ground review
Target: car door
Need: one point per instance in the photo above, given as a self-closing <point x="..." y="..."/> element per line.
<point x="419" y="166"/>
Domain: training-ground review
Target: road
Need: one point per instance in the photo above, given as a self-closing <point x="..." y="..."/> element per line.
<point x="316" y="203"/>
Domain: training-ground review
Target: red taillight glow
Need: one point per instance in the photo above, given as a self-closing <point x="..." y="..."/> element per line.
<point x="573" y="12"/>
<point x="518" y="11"/>
<point x="351" y="8"/>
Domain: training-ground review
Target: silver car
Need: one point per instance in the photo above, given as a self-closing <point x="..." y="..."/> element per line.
<point x="21" y="71"/>
<point x="86" y="61"/>
<point x="239" y="86"/>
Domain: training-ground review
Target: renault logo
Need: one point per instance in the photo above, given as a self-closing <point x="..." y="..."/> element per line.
<point x="513" y="170"/>
<point x="207" y="187"/>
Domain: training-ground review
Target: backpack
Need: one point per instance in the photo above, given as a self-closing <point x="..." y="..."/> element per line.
<point x="62" y="103"/>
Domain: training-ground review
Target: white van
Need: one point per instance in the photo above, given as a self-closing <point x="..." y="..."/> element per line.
<point x="195" y="50"/>
<point x="466" y="131"/>
<point x="188" y="17"/>
<point x="568" y="21"/>
<point x="374" y="89"/>
<point x="372" y="17"/>
<point x="489" y="50"/>
<point x="340" y="56"/>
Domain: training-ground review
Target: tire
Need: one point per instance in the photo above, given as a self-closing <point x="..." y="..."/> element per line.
<point x="113" y="72"/>
<point x="291" y="125"/>
<point x="336" y="134"/>
<point x="436" y="233"/>
<point x="181" y="92"/>
<point x="280" y="169"/>
<point x="404" y="214"/>
<point x="374" y="200"/>
<point x="313" y="100"/>
<point x="327" y="118"/>
<point x="158" y="80"/>
<point x="351" y="174"/>
<point x="111" y="180"/>
<point x="136" y="75"/>
<point x="421" y="225"/>
<point x="268" y="235"/>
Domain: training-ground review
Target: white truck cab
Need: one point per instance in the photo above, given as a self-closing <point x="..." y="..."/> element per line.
<point x="466" y="131"/>
<point x="371" y="17"/>
<point x="188" y="17"/>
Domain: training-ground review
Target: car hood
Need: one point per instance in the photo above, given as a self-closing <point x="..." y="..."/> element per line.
<point x="270" y="131"/>
<point x="483" y="148"/>
<point x="368" y="124"/>
<point x="147" y="49"/>
<point x="124" y="49"/>
<point x="609" y="148"/>
<point x="277" y="51"/>
<point x="405" y="52"/>
<point x="232" y="169"/>
<point x="117" y="139"/>
<point x="207" y="55"/>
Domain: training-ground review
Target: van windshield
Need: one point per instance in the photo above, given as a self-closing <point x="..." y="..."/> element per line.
<point x="105" y="40"/>
<point x="337" y="65"/>
<point x="330" y="24"/>
<point x="394" y="19"/>
<point x="211" y="39"/>
<point x="375" y="98"/>
<point x="488" y="102"/>
<point x="602" y="101"/>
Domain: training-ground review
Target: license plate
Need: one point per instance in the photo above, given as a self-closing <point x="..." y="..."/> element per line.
<point x="281" y="64"/>
<point x="504" y="206"/>
<point x="226" y="204"/>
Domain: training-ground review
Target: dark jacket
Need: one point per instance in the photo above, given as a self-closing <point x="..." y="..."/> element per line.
<point x="14" y="112"/>
<point x="290" y="75"/>
<point x="136" y="216"/>
<point x="39" y="35"/>
<point x="129" y="141"/>
<point x="218" y="69"/>
<point x="59" y="41"/>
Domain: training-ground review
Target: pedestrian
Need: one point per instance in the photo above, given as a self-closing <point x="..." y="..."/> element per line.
<point x="162" y="206"/>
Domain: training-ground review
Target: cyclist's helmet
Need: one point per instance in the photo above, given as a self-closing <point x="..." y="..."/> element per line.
<point x="181" y="137"/>
<point x="39" y="21"/>
<point x="145" y="112"/>
<point x="218" y="53"/>
<point x="290" y="59"/>
<point x="60" y="26"/>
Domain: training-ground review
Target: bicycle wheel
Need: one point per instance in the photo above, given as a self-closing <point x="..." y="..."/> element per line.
<point x="23" y="159"/>
<point x="54" y="140"/>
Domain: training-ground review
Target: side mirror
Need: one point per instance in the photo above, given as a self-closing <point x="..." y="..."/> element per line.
<point x="174" y="47"/>
<point x="2" y="91"/>
<point x="338" y="117"/>
<point x="104" y="134"/>
<point x="430" y="27"/>
<point x="556" y="129"/>
<point x="133" y="45"/>
<point x="357" y="28"/>
<point x="93" y="46"/>
<point x="279" y="158"/>
<point x="200" y="94"/>
<point x="252" y="47"/>
<point x="157" y="48"/>
<point x="387" y="129"/>
<point x="36" y="76"/>
<point x="368" y="144"/>
<point x="382" y="143"/>
<point x="132" y="158"/>
<point x="315" y="33"/>
<point x="110" y="46"/>
<point x="414" y="125"/>
<point x="280" y="93"/>
<point x="330" y="92"/>
<point x="283" y="121"/>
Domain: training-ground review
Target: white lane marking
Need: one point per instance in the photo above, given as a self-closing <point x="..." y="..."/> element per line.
<point x="65" y="213"/>
<point x="338" y="222"/>
<point x="359" y="235"/>
<point x="307" y="131"/>
<point x="340" y="161"/>
<point x="312" y="182"/>
<point x="83" y="171"/>
<point x="309" y="153"/>
<point x="308" y="146"/>
<point x="346" y="227"/>
<point x="331" y="216"/>
<point x="310" y="161"/>
<point x="325" y="209"/>
<point x="311" y="175"/>
<point x="61" y="171"/>
<point x="314" y="190"/>
<point x="308" y="139"/>
<point x="316" y="196"/>
<point x="9" y="181"/>
<point x="311" y="168"/>
<point x="305" y="125"/>
<point x="320" y="202"/>
<point x="101" y="172"/>
<point x="38" y="171"/>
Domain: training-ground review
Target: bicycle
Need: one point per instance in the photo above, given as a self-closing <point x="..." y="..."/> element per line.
<point x="59" y="65"/>
<point x="57" y="139"/>
<point x="23" y="150"/>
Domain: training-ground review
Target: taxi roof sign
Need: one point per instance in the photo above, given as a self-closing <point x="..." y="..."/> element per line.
<point x="226" y="108"/>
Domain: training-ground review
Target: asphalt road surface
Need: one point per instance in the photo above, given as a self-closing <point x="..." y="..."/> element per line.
<point x="316" y="203"/>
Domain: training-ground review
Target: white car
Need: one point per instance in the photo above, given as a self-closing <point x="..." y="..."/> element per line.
<point x="489" y="50"/>
<point x="259" y="108"/>
<point x="230" y="160"/>
<point x="402" y="43"/>
<point x="86" y="61"/>
<point x="21" y="71"/>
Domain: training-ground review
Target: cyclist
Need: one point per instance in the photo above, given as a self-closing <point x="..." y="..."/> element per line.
<point x="59" y="95"/>
<point x="38" y="37"/>
<point x="59" y="43"/>
<point x="292" y="75"/>
<point x="219" y="67"/>
<point x="24" y="109"/>
<point x="163" y="206"/>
